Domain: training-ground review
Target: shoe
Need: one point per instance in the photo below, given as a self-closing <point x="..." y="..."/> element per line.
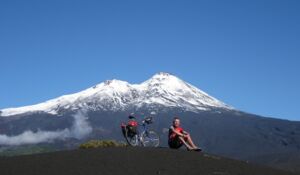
<point x="188" y="149"/>
<point x="197" y="149"/>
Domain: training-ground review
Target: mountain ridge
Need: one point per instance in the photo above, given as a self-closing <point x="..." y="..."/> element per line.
<point x="162" y="89"/>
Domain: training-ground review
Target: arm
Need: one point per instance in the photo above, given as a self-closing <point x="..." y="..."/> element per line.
<point x="176" y="132"/>
<point x="185" y="133"/>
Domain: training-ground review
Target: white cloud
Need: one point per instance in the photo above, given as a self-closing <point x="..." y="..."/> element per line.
<point x="79" y="130"/>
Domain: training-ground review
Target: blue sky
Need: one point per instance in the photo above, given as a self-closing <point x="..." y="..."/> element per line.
<point x="245" y="53"/>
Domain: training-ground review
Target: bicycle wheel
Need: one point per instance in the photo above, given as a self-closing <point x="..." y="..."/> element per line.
<point x="150" y="139"/>
<point x="132" y="140"/>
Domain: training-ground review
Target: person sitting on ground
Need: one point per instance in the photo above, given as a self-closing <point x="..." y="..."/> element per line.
<point x="179" y="137"/>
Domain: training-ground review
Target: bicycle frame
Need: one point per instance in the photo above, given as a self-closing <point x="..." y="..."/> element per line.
<point x="144" y="129"/>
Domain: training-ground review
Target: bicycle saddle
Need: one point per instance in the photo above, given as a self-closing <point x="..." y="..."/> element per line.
<point x="131" y="117"/>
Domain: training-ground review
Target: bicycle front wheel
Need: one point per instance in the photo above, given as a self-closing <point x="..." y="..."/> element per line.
<point x="150" y="139"/>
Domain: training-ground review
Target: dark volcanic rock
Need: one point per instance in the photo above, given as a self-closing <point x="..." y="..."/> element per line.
<point x="129" y="161"/>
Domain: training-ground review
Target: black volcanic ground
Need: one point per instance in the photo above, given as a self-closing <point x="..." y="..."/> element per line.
<point x="133" y="161"/>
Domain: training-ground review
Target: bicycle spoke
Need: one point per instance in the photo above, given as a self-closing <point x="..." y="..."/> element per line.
<point x="150" y="139"/>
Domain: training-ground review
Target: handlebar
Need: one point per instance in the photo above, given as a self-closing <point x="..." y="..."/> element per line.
<point x="148" y="120"/>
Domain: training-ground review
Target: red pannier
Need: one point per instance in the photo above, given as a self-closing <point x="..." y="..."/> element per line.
<point x="131" y="128"/>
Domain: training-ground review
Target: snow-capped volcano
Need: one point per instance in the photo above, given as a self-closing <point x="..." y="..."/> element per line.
<point x="163" y="89"/>
<point x="97" y="112"/>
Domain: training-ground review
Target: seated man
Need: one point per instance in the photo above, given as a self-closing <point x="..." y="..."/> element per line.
<point x="179" y="137"/>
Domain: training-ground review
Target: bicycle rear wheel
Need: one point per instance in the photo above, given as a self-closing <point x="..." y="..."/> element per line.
<point x="132" y="140"/>
<point x="150" y="139"/>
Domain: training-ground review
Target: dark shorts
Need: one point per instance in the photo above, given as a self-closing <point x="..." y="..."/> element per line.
<point x="175" y="143"/>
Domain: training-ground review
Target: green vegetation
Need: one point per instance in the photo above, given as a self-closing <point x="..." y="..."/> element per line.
<point x="101" y="144"/>
<point x="25" y="150"/>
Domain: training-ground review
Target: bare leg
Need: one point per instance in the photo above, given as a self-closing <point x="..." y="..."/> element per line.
<point x="185" y="143"/>
<point x="190" y="141"/>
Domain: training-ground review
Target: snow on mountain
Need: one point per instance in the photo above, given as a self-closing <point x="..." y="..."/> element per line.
<point x="162" y="89"/>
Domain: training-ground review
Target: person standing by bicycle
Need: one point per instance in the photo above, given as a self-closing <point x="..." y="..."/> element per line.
<point x="179" y="137"/>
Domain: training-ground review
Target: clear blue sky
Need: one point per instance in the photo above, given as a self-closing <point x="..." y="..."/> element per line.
<point x="245" y="53"/>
